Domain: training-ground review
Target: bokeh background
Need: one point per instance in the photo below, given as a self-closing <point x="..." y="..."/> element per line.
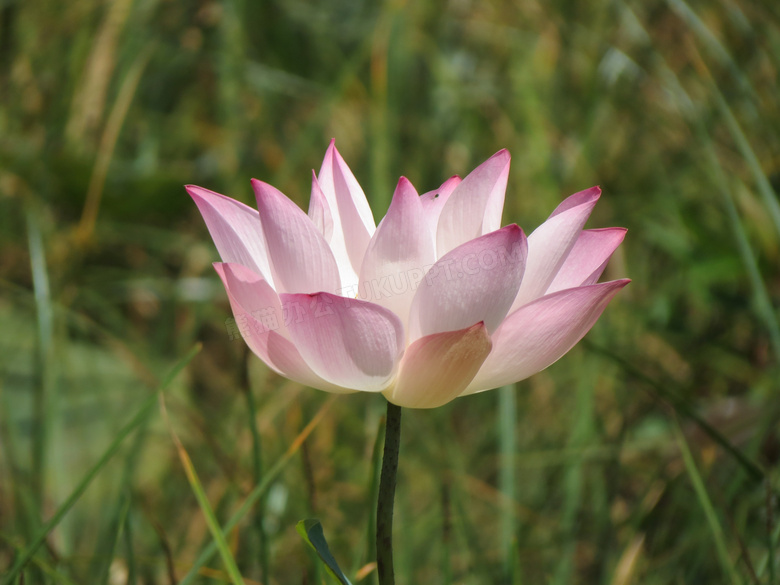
<point x="649" y="454"/>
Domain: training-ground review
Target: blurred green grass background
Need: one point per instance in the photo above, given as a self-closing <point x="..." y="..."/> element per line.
<point x="649" y="454"/>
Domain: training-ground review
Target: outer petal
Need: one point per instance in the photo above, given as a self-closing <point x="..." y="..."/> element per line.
<point x="552" y="241"/>
<point x="540" y="333"/>
<point x="353" y="223"/>
<point x="438" y="367"/>
<point x="402" y="245"/>
<point x="475" y="282"/>
<point x="474" y="208"/>
<point x="259" y="317"/>
<point x="588" y="258"/>
<point x="433" y="201"/>
<point x="347" y="342"/>
<point x="302" y="260"/>
<point x="319" y="211"/>
<point x="235" y="229"/>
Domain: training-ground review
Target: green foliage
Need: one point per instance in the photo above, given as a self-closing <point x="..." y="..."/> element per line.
<point x="311" y="532"/>
<point x="105" y="282"/>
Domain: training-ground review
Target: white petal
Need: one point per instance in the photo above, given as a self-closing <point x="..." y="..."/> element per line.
<point x="353" y="223"/>
<point x="319" y="210"/>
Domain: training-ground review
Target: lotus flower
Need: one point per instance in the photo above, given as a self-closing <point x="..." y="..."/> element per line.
<point x="437" y="301"/>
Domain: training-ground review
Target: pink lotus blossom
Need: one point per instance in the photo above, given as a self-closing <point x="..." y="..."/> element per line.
<point x="437" y="301"/>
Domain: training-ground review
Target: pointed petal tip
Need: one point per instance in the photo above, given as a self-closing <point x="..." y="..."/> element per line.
<point x="500" y="159"/>
<point x="197" y="192"/>
<point x="612" y="286"/>
<point x="405" y="188"/>
<point x="619" y="230"/>
<point x="591" y="194"/>
<point x="588" y="197"/>
<point x="513" y="228"/>
<point x="261" y="188"/>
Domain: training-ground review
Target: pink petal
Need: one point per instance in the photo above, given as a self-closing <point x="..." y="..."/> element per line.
<point x="319" y="210"/>
<point x="541" y="332"/>
<point x="475" y="282"/>
<point x="350" y="343"/>
<point x="235" y="229"/>
<point x="433" y="201"/>
<point x="438" y="367"/>
<point x="551" y="242"/>
<point x="353" y="223"/>
<point x="588" y="258"/>
<point x="260" y="320"/>
<point x="401" y="246"/>
<point x="474" y="207"/>
<point x="301" y="258"/>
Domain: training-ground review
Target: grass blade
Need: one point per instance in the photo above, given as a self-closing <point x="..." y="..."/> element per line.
<point x="373" y="492"/>
<point x="682" y="407"/>
<point x="121" y="520"/>
<point x="709" y="511"/>
<point x="203" y="502"/>
<point x="259" y="491"/>
<point x="507" y="428"/>
<point x="139" y="417"/>
<point x="257" y="470"/>
<point x="41" y="406"/>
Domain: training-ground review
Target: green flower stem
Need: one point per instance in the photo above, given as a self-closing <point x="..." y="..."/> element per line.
<point x="384" y="509"/>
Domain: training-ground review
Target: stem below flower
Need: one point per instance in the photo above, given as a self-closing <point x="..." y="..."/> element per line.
<point x="384" y="509"/>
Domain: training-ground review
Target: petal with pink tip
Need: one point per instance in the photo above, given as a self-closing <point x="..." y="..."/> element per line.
<point x="474" y="207"/>
<point x="319" y="210"/>
<point x="475" y="282"/>
<point x="541" y="332"/>
<point x="433" y="201"/>
<point x="401" y="246"/>
<point x="348" y="342"/>
<point x="235" y="229"/>
<point x="260" y="321"/>
<point x="587" y="258"/>
<point x="301" y="259"/>
<point x="437" y="368"/>
<point x="353" y="222"/>
<point x="552" y="241"/>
